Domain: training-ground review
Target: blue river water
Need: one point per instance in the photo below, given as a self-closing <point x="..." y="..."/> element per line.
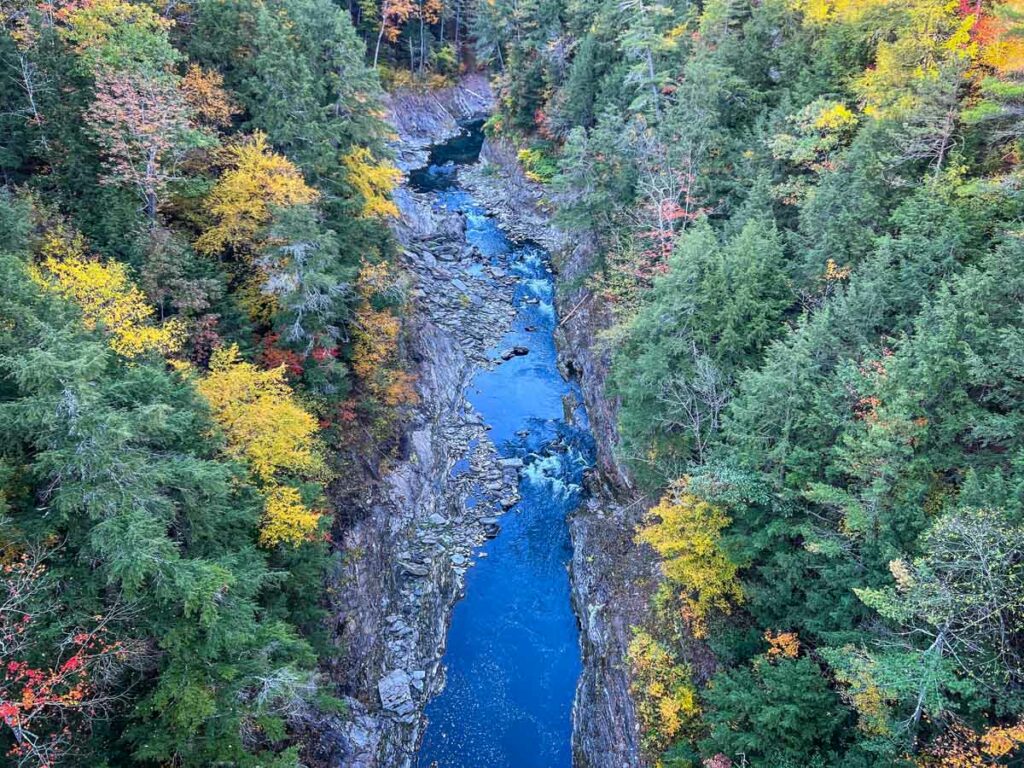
<point x="513" y="655"/>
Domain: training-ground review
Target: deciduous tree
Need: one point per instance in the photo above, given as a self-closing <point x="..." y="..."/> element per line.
<point x="241" y="203"/>
<point x="685" y="531"/>
<point x="142" y="123"/>
<point x="106" y="296"/>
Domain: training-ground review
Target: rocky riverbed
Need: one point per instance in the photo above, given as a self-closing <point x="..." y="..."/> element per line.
<point x="611" y="575"/>
<point x="410" y="541"/>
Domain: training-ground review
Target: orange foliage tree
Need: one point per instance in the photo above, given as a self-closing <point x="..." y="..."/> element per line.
<point x="961" y="747"/>
<point x="393" y="14"/>
<point x="143" y="125"/>
<point x="203" y="91"/>
<point x="375" y="348"/>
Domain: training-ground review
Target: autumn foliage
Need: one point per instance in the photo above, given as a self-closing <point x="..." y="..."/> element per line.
<point x="685" y="531"/>
<point x="373" y="180"/>
<point x="666" y="697"/>
<point x="140" y="122"/>
<point x="203" y="92"/>
<point x="266" y="427"/>
<point x="115" y="35"/>
<point x="106" y="295"/>
<point x="43" y="699"/>
<point x="257" y="181"/>
<point x="263" y="423"/>
<point x="375" y="358"/>
<point x="961" y="747"/>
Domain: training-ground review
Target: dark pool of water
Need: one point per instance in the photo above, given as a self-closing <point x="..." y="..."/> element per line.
<point x="444" y="159"/>
<point x="513" y="656"/>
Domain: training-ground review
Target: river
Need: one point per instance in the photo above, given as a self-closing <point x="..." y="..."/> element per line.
<point x="513" y="656"/>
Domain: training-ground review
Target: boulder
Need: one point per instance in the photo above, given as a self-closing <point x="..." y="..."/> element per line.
<point x="508" y="354"/>
<point x="414" y="568"/>
<point x="395" y="695"/>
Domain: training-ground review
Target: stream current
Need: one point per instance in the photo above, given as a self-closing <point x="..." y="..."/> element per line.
<point x="512" y="659"/>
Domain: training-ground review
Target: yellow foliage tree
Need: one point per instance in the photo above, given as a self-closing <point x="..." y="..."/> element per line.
<point x="286" y="519"/>
<point x="268" y="429"/>
<point x="106" y="295"/>
<point x="375" y="333"/>
<point x="243" y="199"/>
<point x="263" y="423"/>
<point x="117" y="34"/>
<point x="666" y="699"/>
<point x="373" y="180"/>
<point x="203" y="91"/>
<point x="1000" y="741"/>
<point x="931" y="45"/>
<point x="835" y="116"/>
<point x="685" y="531"/>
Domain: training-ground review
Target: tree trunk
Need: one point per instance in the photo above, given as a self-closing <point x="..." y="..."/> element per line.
<point x="458" y="23"/>
<point x="149" y="192"/>
<point x="654" y="82"/>
<point x="28" y="83"/>
<point x="380" y="37"/>
<point x="423" y="41"/>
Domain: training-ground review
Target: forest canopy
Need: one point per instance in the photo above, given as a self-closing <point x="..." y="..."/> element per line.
<point x="181" y="243"/>
<point x="804" y="220"/>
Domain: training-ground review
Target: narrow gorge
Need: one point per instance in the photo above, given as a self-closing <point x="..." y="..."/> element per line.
<point x="461" y="626"/>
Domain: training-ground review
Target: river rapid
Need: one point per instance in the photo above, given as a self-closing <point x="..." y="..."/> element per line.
<point x="512" y="660"/>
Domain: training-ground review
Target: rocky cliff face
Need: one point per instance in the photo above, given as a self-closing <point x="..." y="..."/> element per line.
<point x="423" y="118"/>
<point x="611" y="574"/>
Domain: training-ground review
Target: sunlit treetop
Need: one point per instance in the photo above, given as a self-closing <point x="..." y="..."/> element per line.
<point x="1001" y="34"/>
<point x="114" y="34"/>
<point x="107" y="297"/>
<point x="373" y="180"/>
<point x="244" y="197"/>
<point x="262" y="421"/>
<point x="203" y="91"/>
<point x="286" y="520"/>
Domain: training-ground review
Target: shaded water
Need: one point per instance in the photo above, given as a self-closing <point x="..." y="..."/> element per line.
<point x="513" y="656"/>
